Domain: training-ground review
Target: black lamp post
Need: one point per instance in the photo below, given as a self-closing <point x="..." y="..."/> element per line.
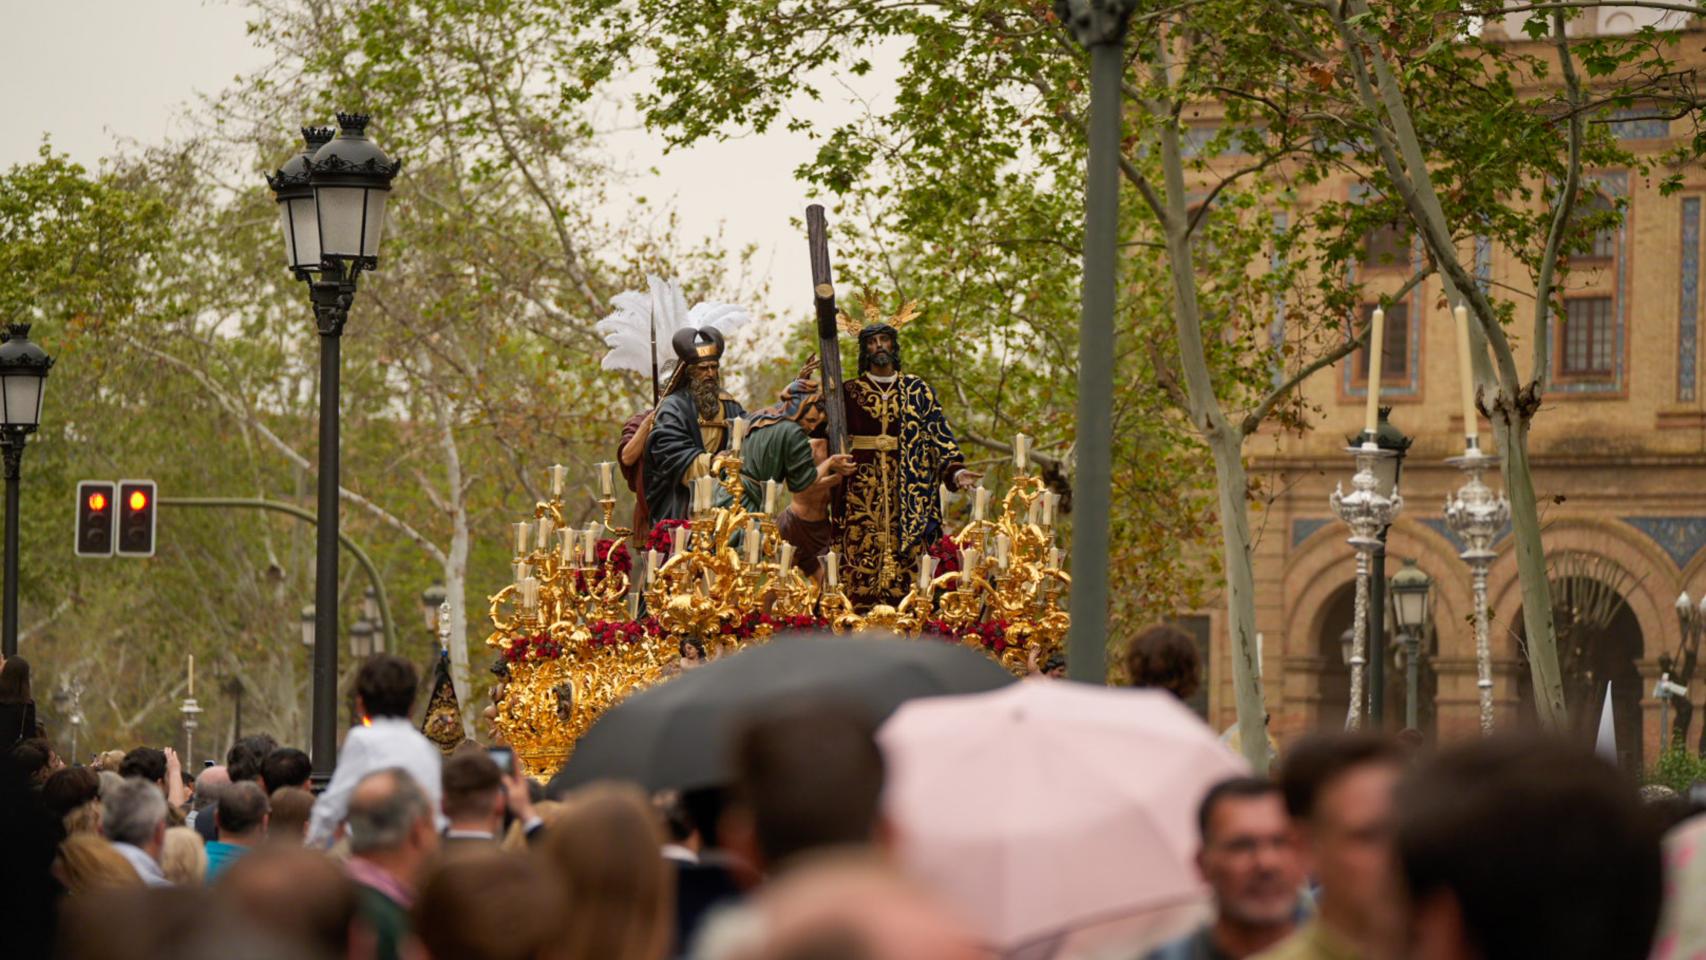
<point x="1100" y="25"/>
<point x="331" y="202"/>
<point x="1386" y="470"/>
<point x="23" y="375"/>
<point x="1410" y="588"/>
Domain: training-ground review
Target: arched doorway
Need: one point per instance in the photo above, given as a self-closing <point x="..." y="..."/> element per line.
<point x="1599" y="643"/>
<point x="1333" y="677"/>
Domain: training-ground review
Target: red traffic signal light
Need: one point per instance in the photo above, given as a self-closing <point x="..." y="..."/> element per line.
<point x="95" y="519"/>
<point x="136" y="526"/>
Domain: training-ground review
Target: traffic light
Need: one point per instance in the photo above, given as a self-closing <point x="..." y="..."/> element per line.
<point x="136" y="518"/>
<point x="94" y="519"/>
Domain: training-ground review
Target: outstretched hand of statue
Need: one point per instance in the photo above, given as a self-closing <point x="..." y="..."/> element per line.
<point x="810" y="368"/>
<point x="966" y="479"/>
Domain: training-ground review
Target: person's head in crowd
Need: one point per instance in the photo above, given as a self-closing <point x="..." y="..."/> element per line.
<point x="453" y="919"/>
<point x="473" y="792"/>
<point x="208" y="785"/>
<point x="1164" y="657"/>
<point x="241" y="816"/>
<point x="87" y="862"/>
<point x="1522" y="846"/>
<point x="66" y="790"/>
<point x="854" y="907"/>
<point x="183" y="858"/>
<point x="1249" y="861"/>
<point x="603" y="845"/>
<point x="677" y="827"/>
<point x="110" y="780"/>
<point x="149" y="763"/>
<point x="291" y="808"/>
<point x="243" y="761"/>
<point x="286" y="767"/>
<point x="385" y="686"/>
<point x="808" y="777"/>
<point x="35" y="757"/>
<point x="1338" y="792"/>
<point x="164" y="922"/>
<point x="293" y="893"/>
<point x="135" y="813"/>
<point x="391" y="824"/>
<point x="108" y="761"/>
<point x="1055" y="667"/>
<point x="84" y="819"/>
<point x="15" y="681"/>
<point x="703" y="808"/>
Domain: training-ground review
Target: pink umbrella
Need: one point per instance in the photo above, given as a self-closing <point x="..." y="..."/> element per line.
<point x="1047" y="807"/>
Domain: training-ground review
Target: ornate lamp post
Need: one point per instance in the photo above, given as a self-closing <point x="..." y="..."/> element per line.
<point x="1100" y="26"/>
<point x="361" y="639"/>
<point x="1477" y="514"/>
<point x="1410" y="587"/>
<point x="331" y="203"/>
<point x="1368" y="511"/>
<point x="1388" y="470"/>
<point x="23" y="375"/>
<point x="432" y="598"/>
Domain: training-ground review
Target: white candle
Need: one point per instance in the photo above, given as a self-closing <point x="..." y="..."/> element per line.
<point x="1034" y="513"/>
<point x="710" y="492"/>
<point x="1466" y="381"/>
<point x="926" y="570"/>
<point x="787" y="557"/>
<point x="1051" y="503"/>
<point x="969" y="559"/>
<point x="521" y="571"/>
<point x="1376" y="351"/>
<point x="754" y="540"/>
<point x="521" y="538"/>
<point x="568" y="552"/>
<point x="559" y="477"/>
<point x="634" y="605"/>
<point x="191" y="692"/>
<point x="678" y="541"/>
<point x="589" y="544"/>
<point x="651" y="566"/>
<point x="1022" y="453"/>
<point x="530" y="593"/>
<point x="606" y="479"/>
<point x="772" y="494"/>
<point x="1056" y="557"/>
<point x="832" y="569"/>
<point x="545" y="526"/>
<point x="1003" y="548"/>
<point x="737" y="435"/>
<point x="980" y="503"/>
<point x="944" y="496"/>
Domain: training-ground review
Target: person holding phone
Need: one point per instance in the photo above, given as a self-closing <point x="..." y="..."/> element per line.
<point x="482" y="791"/>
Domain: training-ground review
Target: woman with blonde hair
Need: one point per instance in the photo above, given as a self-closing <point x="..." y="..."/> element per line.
<point x="183" y="859"/>
<point x="88" y="862"/>
<point x="605" y="844"/>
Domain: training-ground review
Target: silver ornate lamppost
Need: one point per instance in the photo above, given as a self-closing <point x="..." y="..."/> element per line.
<point x="1477" y="514"/>
<point x="1368" y="511"/>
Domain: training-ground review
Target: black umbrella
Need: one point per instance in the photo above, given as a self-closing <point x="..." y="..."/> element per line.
<point x="676" y="735"/>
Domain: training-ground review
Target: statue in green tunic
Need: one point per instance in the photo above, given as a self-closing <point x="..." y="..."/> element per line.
<point x="780" y="446"/>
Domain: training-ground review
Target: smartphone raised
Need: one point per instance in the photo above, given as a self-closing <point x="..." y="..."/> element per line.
<point x="504" y="757"/>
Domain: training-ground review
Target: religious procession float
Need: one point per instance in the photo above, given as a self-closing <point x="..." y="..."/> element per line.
<point x="714" y="560"/>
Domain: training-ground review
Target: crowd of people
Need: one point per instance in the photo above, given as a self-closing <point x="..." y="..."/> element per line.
<point x="1358" y="846"/>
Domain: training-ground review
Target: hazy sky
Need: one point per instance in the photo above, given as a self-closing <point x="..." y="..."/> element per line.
<point x="95" y="73"/>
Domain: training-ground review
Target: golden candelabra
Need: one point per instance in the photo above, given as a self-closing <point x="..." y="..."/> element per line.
<point x="587" y="622"/>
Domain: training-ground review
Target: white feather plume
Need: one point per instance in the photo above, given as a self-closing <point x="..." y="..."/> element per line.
<point x="628" y="331"/>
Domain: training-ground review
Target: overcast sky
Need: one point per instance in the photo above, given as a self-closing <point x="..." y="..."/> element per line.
<point x="96" y="73"/>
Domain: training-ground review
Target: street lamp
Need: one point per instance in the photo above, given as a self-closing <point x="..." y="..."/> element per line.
<point x="1386" y="472"/>
<point x="431" y="599"/>
<point x="23" y="375"/>
<point x="308" y="626"/>
<point x="361" y="638"/>
<point x="343" y="182"/>
<point x="1410" y="588"/>
<point x="370" y="613"/>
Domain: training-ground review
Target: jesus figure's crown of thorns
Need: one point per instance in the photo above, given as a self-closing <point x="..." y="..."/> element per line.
<point x="871" y="313"/>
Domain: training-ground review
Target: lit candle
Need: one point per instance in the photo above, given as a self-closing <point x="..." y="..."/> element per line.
<point x="1376" y="350"/>
<point x="1003" y="548"/>
<point x="545" y="527"/>
<point x="1022" y="453"/>
<point x="980" y="503"/>
<point x="651" y="566"/>
<point x="754" y="540"/>
<point x="787" y="557"/>
<point x="832" y="569"/>
<point x="521" y="538"/>
<point x="590" y="544"/>
<point x="1051" y="503"/>
<point x="969" y="559"/>
<point x="606" y="479"/>
<point x="772" y="494"/>
<point x="737" y="435"/>
<point x="678" y="540"/>
<point x="191" y="692"/>
<point x="926" y="570"/>
<point x="559" y="478"/>
<point x="1466" y="380"/>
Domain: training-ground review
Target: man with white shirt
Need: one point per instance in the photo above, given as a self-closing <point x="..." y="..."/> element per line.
<point x="134" y="819"/>
<point x="385" y="692"/>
